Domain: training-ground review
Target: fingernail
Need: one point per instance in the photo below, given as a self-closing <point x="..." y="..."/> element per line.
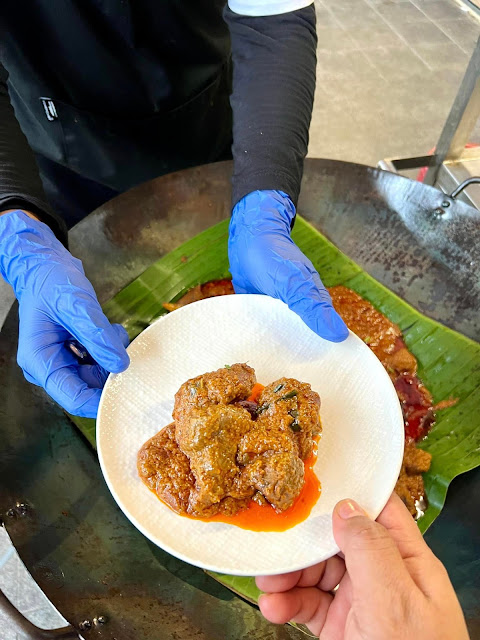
<point x="348" y="509"/>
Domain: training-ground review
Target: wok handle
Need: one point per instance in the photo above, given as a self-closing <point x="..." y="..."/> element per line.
<point x="463" y="186"/>
<point x="29" y="630"/>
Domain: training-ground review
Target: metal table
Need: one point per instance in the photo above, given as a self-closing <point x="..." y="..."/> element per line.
<point x="104" y="576"/>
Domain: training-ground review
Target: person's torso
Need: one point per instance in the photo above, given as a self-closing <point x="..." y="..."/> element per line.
<point x="126" y="79"/>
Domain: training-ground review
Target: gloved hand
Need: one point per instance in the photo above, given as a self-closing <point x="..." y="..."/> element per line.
<point x="57" y="303"/>
<point x="264" y="259"/>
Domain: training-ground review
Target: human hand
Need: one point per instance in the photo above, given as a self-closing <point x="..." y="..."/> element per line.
<point x="57" y="303"/>
<point x="391" y="586"/>
<point x="264" y="259"/>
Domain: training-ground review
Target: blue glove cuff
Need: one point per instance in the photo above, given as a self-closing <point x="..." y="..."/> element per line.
<point x="270" y="208"/>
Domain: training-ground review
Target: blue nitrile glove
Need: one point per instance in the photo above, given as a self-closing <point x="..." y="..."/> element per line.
<point x="56" y="303"/>
<point x="264" y="259"/>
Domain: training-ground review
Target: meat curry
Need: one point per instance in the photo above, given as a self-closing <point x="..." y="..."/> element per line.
<point x="227" y="446"/>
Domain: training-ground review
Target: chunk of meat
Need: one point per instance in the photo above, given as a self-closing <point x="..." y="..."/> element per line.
<point x="292" y="407"/>
<point x="416" y="460"/>
<point x="400" y="362"/>
<point x="410" y="485"/>
<point x="410" y="489"/>
<point x="264" y="439"/>
<point x="272" y="451"/>
<point x="209" y="437"/>
<point x="279" y="477"/>
<point x="217" y="387"/>
<point x="165" y="469"/>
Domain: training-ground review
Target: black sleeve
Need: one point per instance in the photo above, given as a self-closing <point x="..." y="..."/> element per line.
<point x="20" y="184"/>
<point x="274" y="65"/>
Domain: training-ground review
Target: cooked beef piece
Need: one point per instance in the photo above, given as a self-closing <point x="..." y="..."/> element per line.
<point x="409" y="485"/>
<point x="416" y="460"/>
<point x="218" y="387"/>
<point x="260" y="440"/>
<point x="279" y="477"/>
<point x="410" y="489"/>
<point x="209" y="437"/>
<point x="400" y="362"/>
<point x="166" y="470"/>
<point x="288" y="420"/>
<point x="291" y="406"/>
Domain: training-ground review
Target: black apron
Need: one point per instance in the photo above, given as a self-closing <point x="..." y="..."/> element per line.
<point x="116" y="91"/>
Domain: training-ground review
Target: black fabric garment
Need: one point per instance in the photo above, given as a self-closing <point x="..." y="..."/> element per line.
<point x="274" y="62"/>
<point x="20" y="185"/>
<point x="71" y="195"/>
<point x="141" y="88"/>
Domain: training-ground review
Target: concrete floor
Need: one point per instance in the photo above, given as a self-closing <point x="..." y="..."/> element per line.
<point x="388" y="71"/>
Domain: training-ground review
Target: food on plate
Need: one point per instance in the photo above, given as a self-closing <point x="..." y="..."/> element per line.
<point x="292" y="407"/>
<point x="226" y="385"/>
<point x="162" y="452"/>
<point x="385" y="340"/>
<point x="209" y="437"/>
<point x="234" y="442"/>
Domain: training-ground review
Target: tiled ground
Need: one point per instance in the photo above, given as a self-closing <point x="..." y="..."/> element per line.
<point x="388" y="71"/>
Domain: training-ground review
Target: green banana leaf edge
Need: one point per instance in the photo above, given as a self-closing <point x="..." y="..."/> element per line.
<point x="449" y="363"/>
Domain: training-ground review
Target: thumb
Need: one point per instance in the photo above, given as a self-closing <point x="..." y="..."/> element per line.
<point x="372" y="558"/>
<point x="96" y="376"/>
<point x="82" y="316"/>
<point x="307" y="296"/>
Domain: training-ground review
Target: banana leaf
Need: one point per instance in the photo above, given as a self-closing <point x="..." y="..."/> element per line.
<point x="449" y="363"/>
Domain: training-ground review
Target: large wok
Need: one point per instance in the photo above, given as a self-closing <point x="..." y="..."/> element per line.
<point x="103" y="575"/>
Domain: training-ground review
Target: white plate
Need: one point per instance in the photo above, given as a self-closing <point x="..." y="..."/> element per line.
<point x="359" y="455"/>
